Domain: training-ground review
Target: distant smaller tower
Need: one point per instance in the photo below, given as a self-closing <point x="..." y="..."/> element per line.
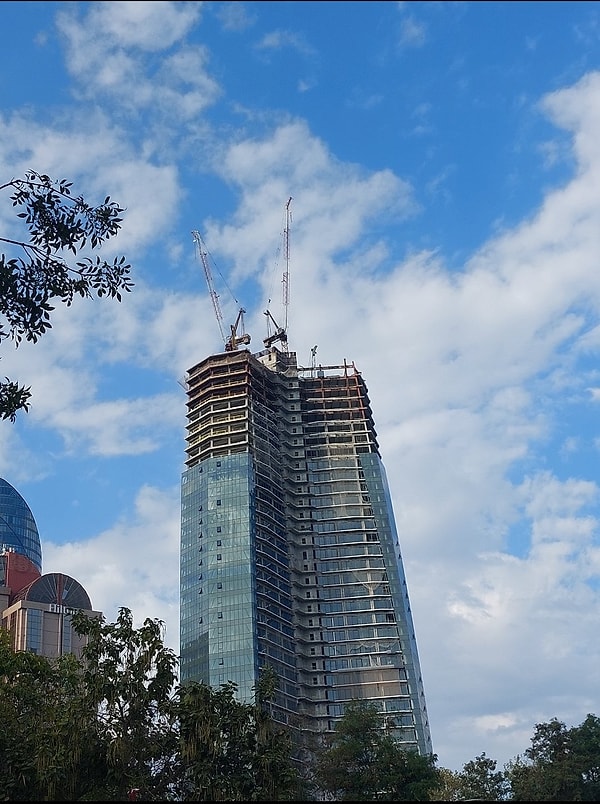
<point x="36" y="609"/>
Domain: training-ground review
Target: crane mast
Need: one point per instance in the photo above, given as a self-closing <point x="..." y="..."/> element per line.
<point x="231" y="342"/>
<point x="280" y="333"/>
<point x="286" y="251"/>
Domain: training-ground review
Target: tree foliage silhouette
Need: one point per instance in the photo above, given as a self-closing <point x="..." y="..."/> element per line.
<point x="60" y="227"/>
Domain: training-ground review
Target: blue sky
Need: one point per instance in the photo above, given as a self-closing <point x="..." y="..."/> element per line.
<point x="442" y="160"/>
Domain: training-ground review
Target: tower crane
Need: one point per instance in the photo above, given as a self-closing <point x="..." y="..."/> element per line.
<point x="234" y="339"/>
<point x="280" y="333"/>
<point x="286" y="252"/>
<point x="231" y="342"/>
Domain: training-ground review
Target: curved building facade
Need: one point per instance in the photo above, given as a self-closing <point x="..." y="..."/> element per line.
<point x="18" y="530"/>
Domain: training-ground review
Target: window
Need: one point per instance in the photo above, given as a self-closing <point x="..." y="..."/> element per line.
<point x="218" y="542"/>
<point x="218" y="502"/>
<point x="219" y="585"/>
<point x="218" y="556"/>
<point x="220" y="615"/>
<point x="218" y="528"/>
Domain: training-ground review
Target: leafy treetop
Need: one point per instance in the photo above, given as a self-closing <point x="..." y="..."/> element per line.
<point x="59" y="225"/>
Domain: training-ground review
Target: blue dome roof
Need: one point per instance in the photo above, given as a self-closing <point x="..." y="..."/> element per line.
<point x="18" y="530"/>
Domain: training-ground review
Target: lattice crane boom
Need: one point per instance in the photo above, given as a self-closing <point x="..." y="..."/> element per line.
<point x="280" y="333"/>
<point x="234" y="339"/>
<point x="285" y="286"/>
<point x="203" y="255"/>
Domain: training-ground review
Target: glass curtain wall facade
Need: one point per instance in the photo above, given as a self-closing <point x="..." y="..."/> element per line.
<point x="18" y="530"/>
<point x="289" y="550"/>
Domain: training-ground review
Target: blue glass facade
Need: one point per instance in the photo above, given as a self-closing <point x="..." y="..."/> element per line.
<point x="218" y="580"/>
<point x="18" y="530"/>
<point x="369" y="642"/>
<point x="289" y="550"/>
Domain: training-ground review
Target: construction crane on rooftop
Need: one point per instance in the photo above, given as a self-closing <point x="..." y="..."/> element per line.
<point x="280" y="333"/>
<point x="233" y="339"/>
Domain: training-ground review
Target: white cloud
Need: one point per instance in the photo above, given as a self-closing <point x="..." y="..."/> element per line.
<point x="279" y="40"/>
<point x="100" y="161"/>
<point x="133" y="565"/>
<point x="234" y="16"/>
<point x="413" y="33"/>
<point x="117" y="50"/>
<point x="147" y="26"/>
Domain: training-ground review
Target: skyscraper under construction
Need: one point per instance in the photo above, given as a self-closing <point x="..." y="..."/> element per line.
<point x="289" y="550"/>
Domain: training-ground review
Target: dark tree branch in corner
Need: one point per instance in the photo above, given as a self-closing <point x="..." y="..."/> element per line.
<point x="59" y="225"/>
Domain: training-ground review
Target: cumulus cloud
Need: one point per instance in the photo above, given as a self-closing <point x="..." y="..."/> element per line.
<point x="133" y="565"/>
